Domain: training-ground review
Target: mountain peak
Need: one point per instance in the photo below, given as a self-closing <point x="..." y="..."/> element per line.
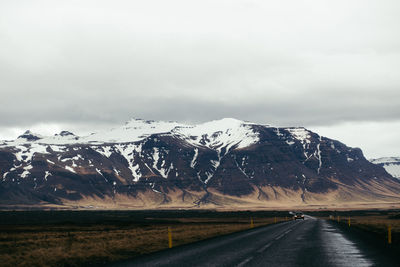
<point x="229" y="120"/>
<point x="386" y="160"/>
<point x="66" y="133"/>
<point x="30" y="136"/>
<point x="138" y="121"/>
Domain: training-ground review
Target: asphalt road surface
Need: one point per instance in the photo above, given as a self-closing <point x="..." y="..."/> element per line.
<point x="311" y="242"/>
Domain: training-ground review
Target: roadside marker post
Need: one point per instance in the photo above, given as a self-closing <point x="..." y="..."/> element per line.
<point x="349" y="221"/>
<point x="275" y="219"/>
<point x="389" y="234"/>
<point x="169" y="237"/>
<point x="251" y="222"/>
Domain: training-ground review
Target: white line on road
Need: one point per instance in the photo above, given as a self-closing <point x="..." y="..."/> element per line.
<point x="243" y="263"/>
<point x="288" y="231"/>
<point x="264" y="248"/>
<point x="269" y="244"/>
<point x="282" y="235"/>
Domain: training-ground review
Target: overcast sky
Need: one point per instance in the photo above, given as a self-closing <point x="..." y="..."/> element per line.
<point x="331" y="66"/>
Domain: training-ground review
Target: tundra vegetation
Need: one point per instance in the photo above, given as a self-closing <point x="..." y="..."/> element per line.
<point x="82" y="238"/>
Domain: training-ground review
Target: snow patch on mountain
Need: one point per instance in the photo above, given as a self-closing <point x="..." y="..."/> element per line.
<point x="163" y="170"/>
<point x="391" y="165"/>
<point x="127" y="151"/>
<point x="193" y="162"/>
<point x="240" y="168"/>
<point x="134" y="130"/>
<point x="26" y="172"/>
<point x="68" y="168"/>
<point x="319" y="155"/>
<point x="47" y="174"/>
<point x="386" y="160"/>
<point x="300" y="134"/>
<point x="26" y="153"/>
<point x="104" y="150"/>
<point x="135" y="172"/>
<point x="220" y="135"/>
<point x="393" y="169"/>
<point x="57" y="148"/>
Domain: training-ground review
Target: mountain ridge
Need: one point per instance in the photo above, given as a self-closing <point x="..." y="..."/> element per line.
<point x="222" y="163"/>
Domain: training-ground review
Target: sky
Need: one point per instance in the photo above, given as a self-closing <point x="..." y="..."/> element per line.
<point x="330" y="66"/>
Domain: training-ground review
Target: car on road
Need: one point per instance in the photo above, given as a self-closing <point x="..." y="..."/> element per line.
<point x="298" y="216"/>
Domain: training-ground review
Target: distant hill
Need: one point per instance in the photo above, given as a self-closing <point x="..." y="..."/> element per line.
<point x="225" y="163"/>
<point x="391" y="165"/>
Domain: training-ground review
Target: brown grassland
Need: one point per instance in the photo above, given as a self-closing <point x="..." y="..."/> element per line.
<point x="376" y="223"/>
<point x="66" y="244"/>
<point x="84" y="238"/>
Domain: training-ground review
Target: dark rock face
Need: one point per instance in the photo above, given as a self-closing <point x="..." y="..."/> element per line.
<point x="29" y="136"/>
<point x="66" y="133"/>
<point x="39" y="171"/>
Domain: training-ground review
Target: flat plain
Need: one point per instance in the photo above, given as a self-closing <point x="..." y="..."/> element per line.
<point x="82" y="238"/>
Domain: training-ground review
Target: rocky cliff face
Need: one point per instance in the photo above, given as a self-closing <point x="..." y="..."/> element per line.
<point x="225" y="163"/>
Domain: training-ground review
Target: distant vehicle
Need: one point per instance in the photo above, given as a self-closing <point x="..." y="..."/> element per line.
<point x="299" y="216"/>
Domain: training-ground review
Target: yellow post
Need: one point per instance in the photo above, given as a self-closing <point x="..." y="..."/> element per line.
<point x="349" y="221"/>
<point x="251" y="223"/>
<point x="275" y="219"/>
<point x="389" y="234"/>
<point x="169" y="237"/>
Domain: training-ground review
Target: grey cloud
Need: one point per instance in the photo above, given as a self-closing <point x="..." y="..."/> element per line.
<point x="98" y="63"/>
<point x="307" y="111"/>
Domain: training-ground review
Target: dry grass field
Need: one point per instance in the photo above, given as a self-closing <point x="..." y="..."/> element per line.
<point x="66" y="244"/>
<point x="377" y="223"/>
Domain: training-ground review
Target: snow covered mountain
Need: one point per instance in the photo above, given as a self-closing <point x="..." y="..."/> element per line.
<point x="391" y="165"/>
<point x="222" y="163"/>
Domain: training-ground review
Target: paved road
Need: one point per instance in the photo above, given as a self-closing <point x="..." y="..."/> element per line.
<point x="311" y="242"/>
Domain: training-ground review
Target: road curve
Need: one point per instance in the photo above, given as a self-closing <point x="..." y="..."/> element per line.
<point x="311" y="242"/>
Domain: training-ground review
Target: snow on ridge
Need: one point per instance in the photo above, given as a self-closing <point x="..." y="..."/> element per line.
<point x="224" y="132"/>
<point x="385" y="160"/>
<point x="104" y="150"/>
<point x="25" y="153"/>
<point x="132" y="131"/>
<point x="391" y="165"/>
<point x="219" y="134"/>
<point x="393" y="169"/>
<point x="300" y="133"/>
